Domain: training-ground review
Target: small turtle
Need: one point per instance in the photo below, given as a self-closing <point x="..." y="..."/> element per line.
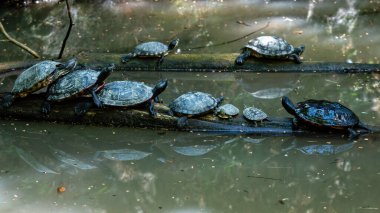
<point x="151" y="49"/>
<point x="75" y="84"/>
<point x="227" y="111"/>
<point x="270" y="47"/>
<point x="36" y="77"/>
<point x="131" y="94"/>
<point x="254" y="114"/>
<point x="324" y="114"/>
<point x="194" y="103"/>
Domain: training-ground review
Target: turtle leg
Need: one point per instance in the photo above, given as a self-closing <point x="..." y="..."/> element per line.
<point x="7" y="100"/>
<point x="95" y="98"/>
<point x="182" y="122"/>
<point x="81" y="108"/>
<point x="353" y="134"/>
<point x="45" y="107"/>
<point x="151" y="108"/>
<point x="296" y="58"/>
<point x="159" y="62"/>
<point x="126" y="58"/>
<point x="242" y="57"/>
<point x="364" y="127"/>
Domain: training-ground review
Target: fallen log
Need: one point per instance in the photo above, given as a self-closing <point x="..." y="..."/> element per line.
<point x="28" y="109"/>
<point x="208" y="63"/>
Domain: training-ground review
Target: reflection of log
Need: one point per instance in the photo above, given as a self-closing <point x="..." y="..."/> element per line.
<point x="29" y="109"/>
<point x="216" y="62"/>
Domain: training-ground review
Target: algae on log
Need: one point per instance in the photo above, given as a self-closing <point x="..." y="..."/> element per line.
<point x="29" y="109"/>
<point x="209" y="63"/>
<point x="222" y="63"/>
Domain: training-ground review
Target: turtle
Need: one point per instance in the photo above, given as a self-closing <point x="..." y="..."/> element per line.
<point x="227" y="111"/>
<point x="254" y="114"/>
<point x="324" y="114"/>
<point x="75" y="84"/>
<point x="153" y="49"/>
<point x="194" y="104"/>
<point x="270" y="47"/>
<point x="131" y="94"/>
<point x="36" y="77"/>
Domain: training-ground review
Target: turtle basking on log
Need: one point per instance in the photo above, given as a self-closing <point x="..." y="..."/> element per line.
<point x="325" y="115"/>
<point x="151" y="49"/>
<point x="271" y="47"/>
<point x="37" y="77"/>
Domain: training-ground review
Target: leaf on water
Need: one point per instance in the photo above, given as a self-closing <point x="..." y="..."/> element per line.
<point x="271" y="93"/>
<point x="253" y="140"/>
<point x="70" y="160"/>
<point x="29" y="159"/>
<point x="196" y="150"/>
<point x="121" y="154"/>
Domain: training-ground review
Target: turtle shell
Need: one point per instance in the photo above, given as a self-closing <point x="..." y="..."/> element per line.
<point x="193" y="103"/>
<point x="125" y="93"/>
<point x="152" y="48"/>
<point x="227" y="111"/>
<point x="325" y="113"/>
<point x="254" y="114"/>
<point x="270" y="47"/>
<point x="34" y="78"/>
<point x="72" y="84"/>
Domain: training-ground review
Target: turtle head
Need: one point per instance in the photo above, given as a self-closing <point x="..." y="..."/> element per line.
<point x="105" y="73"/>
<point x="288" y="105"/>
<point x="219" y="100"/>
<point x="160" y="87"/>
<point x="299" y="50"/>
<point x="63" y="69"/>
<point x="173" y="44"/>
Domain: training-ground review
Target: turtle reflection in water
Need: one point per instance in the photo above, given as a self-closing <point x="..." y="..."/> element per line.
<point x="324" y="115"/>
<point x="270" y="47"/>
<point x="152" y="49"/>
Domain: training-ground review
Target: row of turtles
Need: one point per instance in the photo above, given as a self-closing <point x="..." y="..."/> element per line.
<point x="65" y="80"/>
<point x="272" y="47"/>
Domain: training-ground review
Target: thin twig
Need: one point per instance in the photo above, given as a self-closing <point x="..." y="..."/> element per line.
<point x="231" y="41"/>
<point x="18" y="43"/>
<point x="261" y="177"/>
<point x="68" y="31"/>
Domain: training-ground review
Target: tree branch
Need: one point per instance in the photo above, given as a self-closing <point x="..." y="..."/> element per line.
<point x="68" y="30"/>
<point x="18" y="43"/>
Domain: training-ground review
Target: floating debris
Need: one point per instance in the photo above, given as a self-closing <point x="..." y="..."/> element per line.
<point x="61" y="189"/>
<point x="196" y="150"/>
<point x="29" y="159"/>
<point x="271" y="93"/>
<point x="253" y="140"/>
<point x="121" y="154"/>
<point x="70" y="160"/>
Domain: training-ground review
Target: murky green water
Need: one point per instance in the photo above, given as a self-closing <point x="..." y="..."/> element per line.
<point x="137" y="170"/>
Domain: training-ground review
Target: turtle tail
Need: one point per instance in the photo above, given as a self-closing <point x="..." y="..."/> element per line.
<point x="288" y="105"/>
<point x="126" y="58"/>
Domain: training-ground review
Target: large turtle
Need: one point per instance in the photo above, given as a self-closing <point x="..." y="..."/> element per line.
<point x="36" y="77"/>
<point x="194" y="103"/>
<point x="131" y="94"/>
<point x="151" y="49"/>
<point x="78" y="83"/>
<point x="324" y="115"/>
<point x="270" y="47"/>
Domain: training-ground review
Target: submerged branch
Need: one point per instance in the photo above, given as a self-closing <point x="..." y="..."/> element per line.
<point x="68" y="30"/>
<point x="14" y="41"/>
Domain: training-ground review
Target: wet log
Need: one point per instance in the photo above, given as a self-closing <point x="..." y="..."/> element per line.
<point x="28" y="109"/>
<point x="211" y="63"/>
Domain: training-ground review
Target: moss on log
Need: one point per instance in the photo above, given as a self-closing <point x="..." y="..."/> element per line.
<point x="209" y="63"/>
